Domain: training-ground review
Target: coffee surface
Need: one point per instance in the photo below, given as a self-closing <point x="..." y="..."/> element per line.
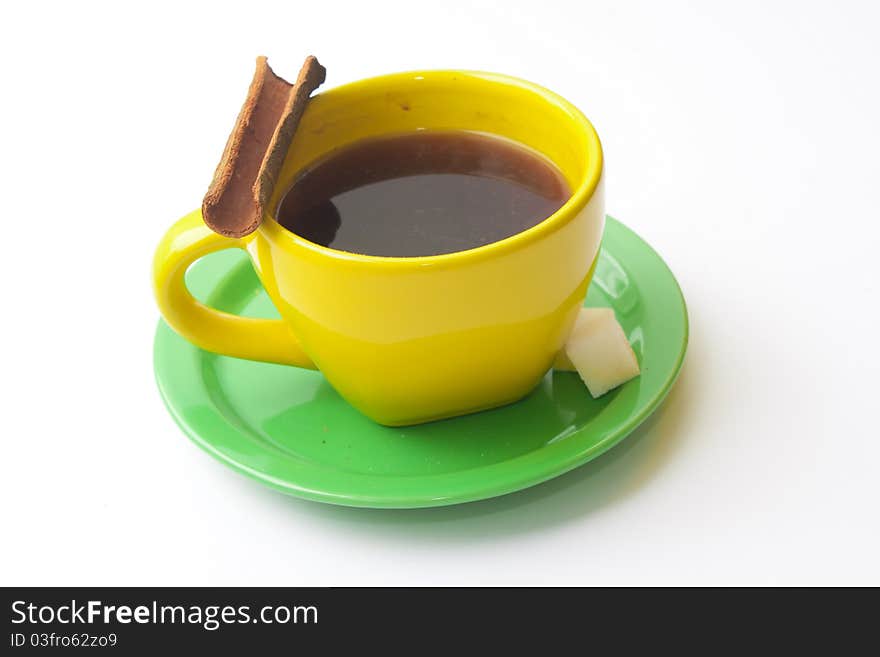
<point x="422" y="193"/>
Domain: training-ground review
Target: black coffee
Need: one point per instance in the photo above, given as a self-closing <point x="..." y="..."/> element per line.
<point x="423" y="193"/>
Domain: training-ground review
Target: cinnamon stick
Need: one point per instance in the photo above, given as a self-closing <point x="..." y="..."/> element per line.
<point x="248" y="170"/>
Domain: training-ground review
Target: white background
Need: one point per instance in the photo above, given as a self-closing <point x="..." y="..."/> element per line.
<point x="741" y="141"/>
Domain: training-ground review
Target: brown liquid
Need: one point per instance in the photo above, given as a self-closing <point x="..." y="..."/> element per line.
<point x="423" y="193"/>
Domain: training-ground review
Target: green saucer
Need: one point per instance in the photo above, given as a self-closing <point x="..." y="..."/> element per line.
<point x="287" y="427"/>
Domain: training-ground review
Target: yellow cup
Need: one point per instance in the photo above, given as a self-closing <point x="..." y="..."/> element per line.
<point x="408" y="340"/>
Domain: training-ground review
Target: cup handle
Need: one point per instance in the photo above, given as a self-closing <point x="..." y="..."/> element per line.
<point x="269" y="340"/>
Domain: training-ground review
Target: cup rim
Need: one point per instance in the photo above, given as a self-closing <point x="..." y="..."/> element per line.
<point x="579" y="198"/>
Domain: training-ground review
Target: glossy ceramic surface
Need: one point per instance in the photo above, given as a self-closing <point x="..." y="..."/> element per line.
<point x="407" y="340"/>
<point x="288" y="428"/>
